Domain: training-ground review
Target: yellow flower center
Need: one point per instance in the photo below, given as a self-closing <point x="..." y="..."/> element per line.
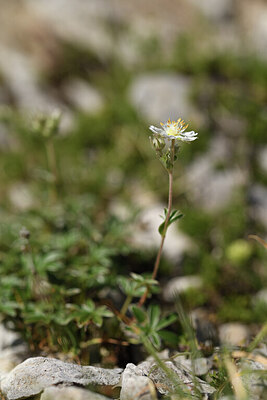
<point x="173" y="128"/>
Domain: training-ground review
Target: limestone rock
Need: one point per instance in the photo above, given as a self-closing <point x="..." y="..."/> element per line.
<point x="7" y="141"/>
<point x="212" y="190"/>
<point x="7" y="337"/>
<point x="258" y="200"/>
<point x="83" y="96"/>
<point x="135" y="386"/>
<point x="12" y="350"/>
<point x="145" y="231"/>
<point x="233" y="333"/>
<point x="20" y="196"/>
<point x="254" y="382"/>
<point x="35" y="374"/>
<point x="80" y="22"/>
<point x="262" y="159"/>
<point x="70" y="393"/>
<point x="215" y="9"/>
<point x="201" y="365"/>
<point x="181" y="284"/>
<point x="160" y="96"/>
<point x="260" y="297"/>
<point x="253" y="16"/>
<point x="163" y="383"/>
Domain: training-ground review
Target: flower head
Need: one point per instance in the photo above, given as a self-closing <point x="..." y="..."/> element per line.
<point x="174" y="130"/>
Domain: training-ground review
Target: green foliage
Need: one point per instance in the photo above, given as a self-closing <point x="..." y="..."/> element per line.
<point x="136" y="285"/>
<point x="53" y="288"/>
<point x="151" y="325"/>
<point x="174" y="216"/>
<point x="53" y="280"/>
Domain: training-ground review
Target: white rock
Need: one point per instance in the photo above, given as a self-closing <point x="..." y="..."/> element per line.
<point x="12" y="350"/>
<point x="180" y="285"/>
<point x="234" y="333"/>
<point x="215" y="9"/>
<point x="201" y="365"/>
<point x="7" y="337"/>
<point x="212" y="190"/>
<point x="11" y="357"/>
<point x="258" y="199"/>
<point x="261" y="296"/>
<point x="35" y="374"/>
<point x="253" y="381"/>
<point x="70" y="393"/>
<point x="80" y="22"/>
<point x="163" y="383"/>
<point x="135" y="386"/>
<point x="7" y="142"/>
<point x="145" y="233"/>
<point x="262" y="159"/>
<point x="20" y="196"/>
<point x="83" y="96"/>
<point x="23" y="81"/>
<point x="160" y="96"/>
<point x="253" y="16"/>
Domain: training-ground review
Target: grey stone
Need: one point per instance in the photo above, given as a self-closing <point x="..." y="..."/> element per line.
<point x="35" y="374"/>
<point x="23" y="81"/>
<point x="258" y="200"/>
<point x="254" y="382"/>
<point x="262" y="159"/>
<point x="83" y="96"/>
<point x="215" y="9"/>
<point x="7" y="141"/>
<point x="145" y="232"/>
<point x="164" y="384"/>
<point x="70" y="393"/>
<point x="11" y="357"/>
<point x="136" y="386"/>
<point x="234" y="333"/>
<point x="212" y="190"/>
<point x="12" y="350"/>
<point x="261" y="297"/>
<point x="7" y="337"/>
<point x="160" y="96"/>
<point x="180" y="285"/>
<point x="201" y="365"/>
<point x="163" y="355"/>
<point x="20" y="196"/>
<point x="253" y="16"/>
<point x="80" y="22"/>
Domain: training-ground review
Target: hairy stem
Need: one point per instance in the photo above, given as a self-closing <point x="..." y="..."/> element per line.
<point x="158" y="258"/>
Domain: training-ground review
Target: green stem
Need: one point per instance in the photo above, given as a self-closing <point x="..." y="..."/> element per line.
<point x="183" y="392"/>
<point x="260" y="336"/>
<point x="158" y="258"/>
<point x="52" y="165"/>
<point x="126" y="304"/>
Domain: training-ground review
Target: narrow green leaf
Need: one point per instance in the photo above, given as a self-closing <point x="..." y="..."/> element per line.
<point x="167" y="321"/>
<point x="155" y="339"/>
<point x="154" y="316"/>
<point x="169" y="337"/>
<point x="139" y="314"/>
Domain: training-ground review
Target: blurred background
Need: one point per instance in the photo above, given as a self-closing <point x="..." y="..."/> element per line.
<point x="113" y="67"/>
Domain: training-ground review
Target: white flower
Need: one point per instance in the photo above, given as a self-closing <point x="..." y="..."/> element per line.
<point x="174" y="130"/>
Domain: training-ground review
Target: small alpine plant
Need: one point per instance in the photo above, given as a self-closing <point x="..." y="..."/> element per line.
<point x="166" y="143"/>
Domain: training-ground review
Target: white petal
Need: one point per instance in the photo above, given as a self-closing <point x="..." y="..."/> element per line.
<point x="190" y="134"/>
<point x="187" y="139"/>
<point x="155" y="129"/>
